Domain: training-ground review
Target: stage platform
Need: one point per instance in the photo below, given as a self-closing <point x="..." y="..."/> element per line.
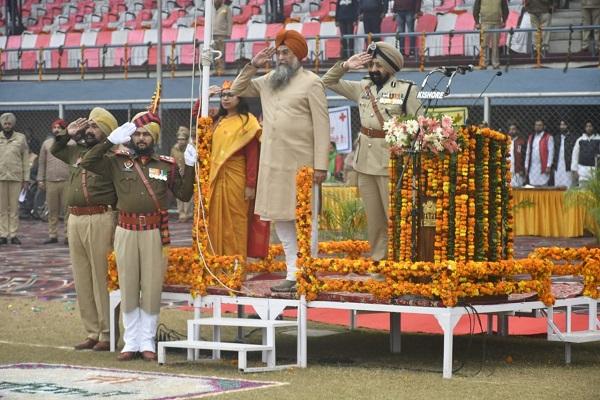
<point x="269" y="306"/>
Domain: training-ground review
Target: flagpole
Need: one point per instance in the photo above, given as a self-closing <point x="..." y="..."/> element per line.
<point x="208" y="15"/>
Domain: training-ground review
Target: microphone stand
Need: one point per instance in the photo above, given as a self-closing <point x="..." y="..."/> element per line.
<point x="415" y="157"/>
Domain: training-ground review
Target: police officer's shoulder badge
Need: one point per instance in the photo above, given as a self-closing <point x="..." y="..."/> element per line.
<point x="168" y="159"/>
<point x="121" y="152"/>
<point x="127" y="165"/>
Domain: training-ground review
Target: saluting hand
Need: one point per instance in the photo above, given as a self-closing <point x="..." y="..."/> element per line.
<point x="263" y="57"/>
<point x="77" y="126"/>
<point x="358" y="61"/>
<point x="190" y="156"/>
<point x="122" y="134"/>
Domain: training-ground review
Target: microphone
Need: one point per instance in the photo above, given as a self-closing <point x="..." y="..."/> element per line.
<point x="498" y="73"/>
<point x="461" y="69"/>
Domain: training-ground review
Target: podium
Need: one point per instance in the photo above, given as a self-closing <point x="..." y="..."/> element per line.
<point x="453" y="206"/>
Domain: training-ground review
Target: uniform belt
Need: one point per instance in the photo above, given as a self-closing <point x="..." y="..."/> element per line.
<point x="88" y="210"/>
<point x="373" y="133"/>
<point x="139" y="221"/>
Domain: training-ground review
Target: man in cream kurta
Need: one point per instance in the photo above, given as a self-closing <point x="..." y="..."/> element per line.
<point x="295" y="134"/>
<point x="380" y="96"/>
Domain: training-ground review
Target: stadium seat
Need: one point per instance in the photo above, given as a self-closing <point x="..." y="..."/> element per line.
<point x="270" y="34"/>
<point x="437" y="45"/>
<point x="325" y="12"/>
<point x="333" y="47"/>
<point x="12" y="57"/>
<point x="466" y="22"/>
<point x="70" y="57"/>
<point x="138" y="54"/>
<point x="511" y="22"/>
<point x="29" y="53"/>
<point x="88" y="39"/>
<point x="116" y="56"/>
<point x="186" y="51"/>
<point x="232" y="50"/>
<point x="256" y="31"/>
<point x="460" y="43"/>
<point x="388" y="25"/>
<point x="425" y="23"/>
<point x="448" y="6"/>
<point x="312" y="29"/>
<point x="103" y="38"/>
<point x="247" y="12"/>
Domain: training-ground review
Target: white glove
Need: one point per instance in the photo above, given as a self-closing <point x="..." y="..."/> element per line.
<point x="122" y="134"/>
<point x="190" y="156"/>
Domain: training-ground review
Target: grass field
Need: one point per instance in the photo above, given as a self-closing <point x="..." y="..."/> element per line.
<point x="344" y="365"/>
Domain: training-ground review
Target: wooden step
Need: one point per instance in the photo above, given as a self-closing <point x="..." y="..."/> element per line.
<point x="577" y="337"/>
<point x="243" y="322"/>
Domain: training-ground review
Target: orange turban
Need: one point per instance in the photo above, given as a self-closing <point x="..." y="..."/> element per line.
<point x="294" y="41"/>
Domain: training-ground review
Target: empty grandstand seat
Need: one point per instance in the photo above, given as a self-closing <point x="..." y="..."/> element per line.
<point x="103" y="38"/>
<point x="326" y="10"/>
<point x="12" y="57"/>
<point x="425" y="23"/>
<point x="247" y="12"/>
<point x="169" y="35"/>
<point x="271" y="32"/>
<point x="333" y="47"/>
<point x="51" y="57"/>
<point x="88" y="39"/>
<point x="388" y="25"/>
<point x="312" y="29"/>
<point x="437" y="45"/>
<point x="186" y="51"/>
<point x="232" y="50"/>
<point x="116" y="56"/>
<point x="511" y="22"/>
<point x="463" y="44"/>
<point x="139" y="54"/>
<point x="256" y="31"/>
<point x="29" y="58"/>
<point x="70" y="57"/>
<point x="448" y="6"/>
<point x="173" y="17"/>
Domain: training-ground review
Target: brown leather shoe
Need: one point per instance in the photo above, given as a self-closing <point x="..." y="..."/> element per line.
<point x="126" y="356"/>
<point x="102" y="345"/>
<point x="86" y="344"/>
<point x="149" y="355"/>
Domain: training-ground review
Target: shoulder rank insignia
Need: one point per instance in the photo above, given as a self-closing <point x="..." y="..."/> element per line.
<point x="168" y="159"/>
<point x="121" y="152"/>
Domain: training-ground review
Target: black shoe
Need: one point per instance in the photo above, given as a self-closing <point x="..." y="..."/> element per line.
<point x="15" y="240"/>
<point x="51" y="240"/>
<point x="3" y="240"/>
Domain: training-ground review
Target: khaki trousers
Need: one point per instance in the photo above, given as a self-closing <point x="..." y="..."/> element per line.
<point x="90" y="241"/>
<point x="9" y="208"/>
<point x="57" y="200"/>
<point x="141" y="264"/>
<point x="590" y="16"/>
<point x="220" y="46"/>
<point x="491" y="41"/>
<point x="543" y="21"/>
<point x="185" y="209"/>
<point x="374" y="192"/>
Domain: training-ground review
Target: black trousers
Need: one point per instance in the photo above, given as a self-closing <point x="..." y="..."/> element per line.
<point x="347" y="28"/>
<point x="372" y="24"/>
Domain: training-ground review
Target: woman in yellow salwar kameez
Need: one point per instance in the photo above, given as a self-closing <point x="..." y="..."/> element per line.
<point x="233" y="173"/>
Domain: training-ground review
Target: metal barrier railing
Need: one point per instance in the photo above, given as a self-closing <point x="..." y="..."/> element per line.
<point x="133" y="55"/>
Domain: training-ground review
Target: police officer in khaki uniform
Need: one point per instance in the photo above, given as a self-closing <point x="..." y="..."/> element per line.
<point x="14" y="176"/>
<point x="52" y="177"/>
<point x="91" y="199"/>
<point x="142" y="179"/>
<point x="184" y="208"/>
<point x="222" y="26"/>
<point x="380" y="96"/>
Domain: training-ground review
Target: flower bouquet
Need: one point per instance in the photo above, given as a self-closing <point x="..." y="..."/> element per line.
<point x="423" y="134"/>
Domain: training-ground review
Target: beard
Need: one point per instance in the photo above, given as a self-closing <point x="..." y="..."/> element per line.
<point x="141" y="151"/>
<point x="282" y="74"/>
<point x="89" y="139"/>
<point x="378" y="78"/>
